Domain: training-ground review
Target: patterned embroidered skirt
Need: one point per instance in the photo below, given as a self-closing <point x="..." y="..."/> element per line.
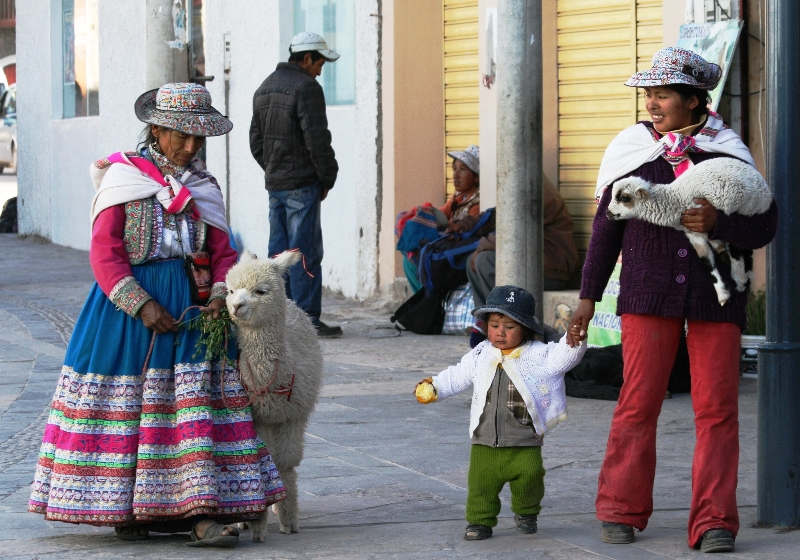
<point x="118" y="449"/>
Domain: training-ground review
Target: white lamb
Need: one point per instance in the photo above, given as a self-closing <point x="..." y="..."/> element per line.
<point x="730" y="185"/>
<point x="281" y="364"/>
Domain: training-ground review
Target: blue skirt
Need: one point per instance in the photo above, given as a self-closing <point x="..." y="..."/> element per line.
<point x="122" y="447"/>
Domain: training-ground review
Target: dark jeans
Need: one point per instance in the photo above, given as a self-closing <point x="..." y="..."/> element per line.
<point x="294" y="223"/>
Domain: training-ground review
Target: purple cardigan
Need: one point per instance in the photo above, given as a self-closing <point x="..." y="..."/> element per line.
<point x="661" y="272"/>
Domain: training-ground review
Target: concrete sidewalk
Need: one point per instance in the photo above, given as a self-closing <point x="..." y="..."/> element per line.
<point x="383" y="477"/>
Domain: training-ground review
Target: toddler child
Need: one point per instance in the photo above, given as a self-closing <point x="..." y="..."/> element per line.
<point x="518" y="394"/>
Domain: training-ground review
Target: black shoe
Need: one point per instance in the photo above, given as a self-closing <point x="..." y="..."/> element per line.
<point x="325" y="331"/>
<point x="616" y="533"/>
<point x="717" y="540"/>
<point x="478" y="532"/>
<point x="526" y="524"/>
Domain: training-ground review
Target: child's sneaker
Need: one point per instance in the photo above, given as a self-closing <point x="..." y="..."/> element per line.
<point x="478" y="532"/>
<point x="526" y="524"/>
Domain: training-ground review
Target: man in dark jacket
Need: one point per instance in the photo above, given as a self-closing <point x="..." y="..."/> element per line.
<point x="290" y="140"/>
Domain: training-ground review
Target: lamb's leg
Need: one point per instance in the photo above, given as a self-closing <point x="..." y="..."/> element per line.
<point x="740" y="271"/>
<point x="700" y="243"/>
<point x="288" y="452"/>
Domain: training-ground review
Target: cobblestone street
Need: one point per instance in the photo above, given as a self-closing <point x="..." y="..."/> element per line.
<point x="383" y="477"/>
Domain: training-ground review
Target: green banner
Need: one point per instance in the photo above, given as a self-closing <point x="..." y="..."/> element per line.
<point x="605" y="328"/>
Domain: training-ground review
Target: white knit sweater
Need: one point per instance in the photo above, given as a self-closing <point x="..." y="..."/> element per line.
<point x="536" y="369"/>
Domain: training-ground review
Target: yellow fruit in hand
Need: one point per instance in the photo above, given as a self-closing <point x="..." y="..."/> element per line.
<point x="425" y="392"/>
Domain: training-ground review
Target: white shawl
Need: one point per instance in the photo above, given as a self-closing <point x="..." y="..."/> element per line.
<point x="635" y="146"/>
<point x="122" y="181"/>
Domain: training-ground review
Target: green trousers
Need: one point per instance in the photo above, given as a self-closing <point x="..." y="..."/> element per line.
<point x="489" y="470"/>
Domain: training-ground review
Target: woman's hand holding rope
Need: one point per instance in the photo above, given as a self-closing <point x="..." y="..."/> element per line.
<point x="156" y="318"/>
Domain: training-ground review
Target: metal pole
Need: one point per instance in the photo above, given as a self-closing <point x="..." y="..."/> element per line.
<point x="166" y="51"/>
<point x="779" y="358"/>
<point x="519" y="146"/>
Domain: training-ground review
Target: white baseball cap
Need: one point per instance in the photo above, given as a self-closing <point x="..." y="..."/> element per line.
<point x="307" y="41"/>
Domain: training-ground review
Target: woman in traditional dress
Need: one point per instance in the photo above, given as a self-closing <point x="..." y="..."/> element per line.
<point x="664" y="288"/>
<point x="456" y="215"/>
<point x="171" y="448"/>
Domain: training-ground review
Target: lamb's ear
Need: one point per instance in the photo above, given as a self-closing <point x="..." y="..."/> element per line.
<point x="642" y="193"/>
<point x="287" y="259"/>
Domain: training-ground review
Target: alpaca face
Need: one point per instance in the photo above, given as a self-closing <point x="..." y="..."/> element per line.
<point x="256" y="289"/>
<point x="625" y="196"/>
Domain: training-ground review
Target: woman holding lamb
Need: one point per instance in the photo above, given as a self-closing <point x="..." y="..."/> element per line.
<point x="663" y="288"/>
<point x="140" y="435"/>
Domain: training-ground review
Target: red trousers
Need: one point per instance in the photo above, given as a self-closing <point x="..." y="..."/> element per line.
<point x="625" y="487"/>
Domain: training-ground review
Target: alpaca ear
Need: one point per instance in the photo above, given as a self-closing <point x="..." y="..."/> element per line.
<point x="641" y="193"/>
<point x="286" y="260"/>
<point x="247" y="256"/>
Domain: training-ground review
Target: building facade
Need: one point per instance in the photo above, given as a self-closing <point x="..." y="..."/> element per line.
<point x="416" y="78"/>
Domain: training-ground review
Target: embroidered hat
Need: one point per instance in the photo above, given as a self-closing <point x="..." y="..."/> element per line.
<point x="674" y="65"/>
<point x="183" y="107"/>
<point x="517" y="303"/>
<point x="471" y="158"/>
<point x="307" y="41"/>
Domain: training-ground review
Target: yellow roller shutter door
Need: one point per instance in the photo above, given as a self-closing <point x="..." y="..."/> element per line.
<point x="461" y="78"/>
<point x="600" y="44"/>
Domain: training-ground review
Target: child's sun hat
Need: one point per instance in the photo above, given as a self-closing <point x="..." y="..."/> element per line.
<point x="512" y="301"/>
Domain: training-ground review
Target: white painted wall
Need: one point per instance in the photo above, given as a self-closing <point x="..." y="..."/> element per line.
<point x="260" y="38"/>
<point x="55" y="153"/>
<point x="35" y="108"/>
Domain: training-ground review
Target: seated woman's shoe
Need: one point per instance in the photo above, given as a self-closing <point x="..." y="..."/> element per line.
<point x="209" y="533"/>
<point x="477" y="532"/>
<point x="133" y="533"/>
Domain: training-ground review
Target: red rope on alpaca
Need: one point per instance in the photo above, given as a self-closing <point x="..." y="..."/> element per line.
<point x="296" y="250"/>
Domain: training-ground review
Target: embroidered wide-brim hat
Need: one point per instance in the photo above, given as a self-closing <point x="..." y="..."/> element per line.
<point x="514" y="302"/>
<point x="674" y="65"/>
<point x="471" y="158"/>
<point x="183" y="107"/>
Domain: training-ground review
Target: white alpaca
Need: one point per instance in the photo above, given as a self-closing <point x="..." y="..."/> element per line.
<point x="281" y="364"/>
<point x="730" y="185"/>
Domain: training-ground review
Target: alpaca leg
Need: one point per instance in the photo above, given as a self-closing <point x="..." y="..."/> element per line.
<point x="287" y="508"/>
<point x="258" y="529"/>
<point x="288" y="442"/>
<point x="700" y="243"/>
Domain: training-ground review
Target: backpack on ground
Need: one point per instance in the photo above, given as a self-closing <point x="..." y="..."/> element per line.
<point x="420" y="314"/>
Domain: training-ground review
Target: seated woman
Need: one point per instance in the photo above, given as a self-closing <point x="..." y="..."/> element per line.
<point x="464" y="203"/>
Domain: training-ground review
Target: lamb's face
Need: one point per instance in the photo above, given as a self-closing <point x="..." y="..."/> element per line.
<point x="256" y="289"/>
<point x="625" y="195"/>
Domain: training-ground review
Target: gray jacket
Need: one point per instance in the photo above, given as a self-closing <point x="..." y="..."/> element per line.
<point x="289" y="135"/>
